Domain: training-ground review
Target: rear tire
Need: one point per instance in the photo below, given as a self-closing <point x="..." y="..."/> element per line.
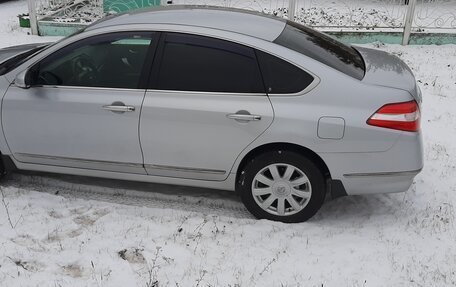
<point x="2" y="168"/>
<point x="282" y="186"/>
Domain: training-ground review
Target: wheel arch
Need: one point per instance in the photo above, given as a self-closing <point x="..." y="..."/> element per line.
<point x="277" y="146"/>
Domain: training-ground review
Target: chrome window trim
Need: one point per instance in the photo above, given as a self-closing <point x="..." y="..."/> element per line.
<point x="87" y="88"/>
<point x="306" y="90"/>
<point x="207" y="93"/>
<point x="309" y="88"/>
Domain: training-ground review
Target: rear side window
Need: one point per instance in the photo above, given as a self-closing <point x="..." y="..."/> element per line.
<point x="322" y="48"/>
<point x="281" y="77"/>
<point x="202" y="64"/>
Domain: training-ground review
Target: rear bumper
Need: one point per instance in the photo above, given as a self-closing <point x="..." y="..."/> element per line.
<point x="379" y="172"/>
<point x="382" y="182"/>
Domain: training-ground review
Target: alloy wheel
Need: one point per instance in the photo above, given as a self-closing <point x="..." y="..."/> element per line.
<point x="281" y="189"/>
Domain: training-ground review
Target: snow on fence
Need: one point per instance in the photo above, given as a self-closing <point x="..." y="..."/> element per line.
<point x="428" y="14"/>
<point x="351" y="14"/>
<point x="435" y="14"/>
<point x="63" y="16"/>
<point x="328" y="15"/>
<point x="70" y="11"/>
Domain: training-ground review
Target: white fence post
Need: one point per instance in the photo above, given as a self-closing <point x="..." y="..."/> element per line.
<point x="291" y="9"/>
<point x="32" y="15"/>
<point x="408" y="22"/>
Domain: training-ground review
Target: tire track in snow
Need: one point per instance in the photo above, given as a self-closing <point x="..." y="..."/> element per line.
<point x="199" y="200"/>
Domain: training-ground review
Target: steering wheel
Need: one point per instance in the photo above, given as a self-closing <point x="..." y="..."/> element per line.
<point x="49" y="78"/>
<point x="84" y="69"/>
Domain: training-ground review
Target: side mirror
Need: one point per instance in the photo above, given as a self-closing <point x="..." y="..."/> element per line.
<point x="22" y="80"/>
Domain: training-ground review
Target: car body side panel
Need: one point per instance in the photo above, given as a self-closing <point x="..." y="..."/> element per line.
<point x="227" y="184"/>
<point x="189" y="135"/>
<point x="337" y="95"/>
<point x="368" y="172"/>
<point x="381" y="172"/>
<point x="4" y="85"/>
<point x="296" y="122"/>
<point x="67" y="126"/>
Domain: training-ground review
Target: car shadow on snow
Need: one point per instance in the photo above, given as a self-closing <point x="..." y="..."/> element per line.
<point x="206" y="201"/>
<point x="143" y="194"/>
<point x="360" y="208"/>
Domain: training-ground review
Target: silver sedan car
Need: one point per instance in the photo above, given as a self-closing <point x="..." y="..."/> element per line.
<point x="215" y="98"/>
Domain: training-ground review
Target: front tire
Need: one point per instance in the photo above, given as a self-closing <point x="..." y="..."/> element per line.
<point x="282" y="186"/>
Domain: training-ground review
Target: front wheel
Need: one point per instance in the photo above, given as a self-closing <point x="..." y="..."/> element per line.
<point x="282" y="186"/>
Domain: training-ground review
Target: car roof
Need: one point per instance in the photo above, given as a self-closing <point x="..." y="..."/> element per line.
<point x="239" y="21"/>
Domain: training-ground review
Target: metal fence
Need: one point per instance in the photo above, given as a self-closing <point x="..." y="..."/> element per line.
<point x="434" y="14"/>
<point x="326" y="15"/>
<point x="351" y="14"/>
<point x="82" y="11"/>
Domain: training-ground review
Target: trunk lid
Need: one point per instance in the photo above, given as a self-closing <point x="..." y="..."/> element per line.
<point x="384" y="69"/>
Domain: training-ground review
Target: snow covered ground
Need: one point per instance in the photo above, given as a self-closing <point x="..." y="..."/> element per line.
<point x="73" y="231"/>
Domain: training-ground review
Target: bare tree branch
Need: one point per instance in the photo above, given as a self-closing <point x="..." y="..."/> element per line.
<point x="7" y="209"/>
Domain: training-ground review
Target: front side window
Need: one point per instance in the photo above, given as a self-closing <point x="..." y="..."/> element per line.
<point x="202" y="64"/>
<point x="109" y="61"/>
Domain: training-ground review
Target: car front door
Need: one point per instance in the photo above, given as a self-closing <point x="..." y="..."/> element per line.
<point x="82" y="109"/>
<point x="206" y="103"/>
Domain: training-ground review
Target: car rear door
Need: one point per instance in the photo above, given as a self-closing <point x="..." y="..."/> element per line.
<point x="82" y="109"/>
<point x="206" y="103"/>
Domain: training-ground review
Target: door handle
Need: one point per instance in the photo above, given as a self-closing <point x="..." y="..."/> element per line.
<point x="119" y="109"/>
<point x="244" y="117"/>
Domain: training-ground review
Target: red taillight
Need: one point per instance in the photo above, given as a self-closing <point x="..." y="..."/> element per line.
<point x="398" y="116"/>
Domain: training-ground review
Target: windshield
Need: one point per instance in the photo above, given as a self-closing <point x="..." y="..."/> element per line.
<point x="17" y="60"/>
<point x="322" y="48"/>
